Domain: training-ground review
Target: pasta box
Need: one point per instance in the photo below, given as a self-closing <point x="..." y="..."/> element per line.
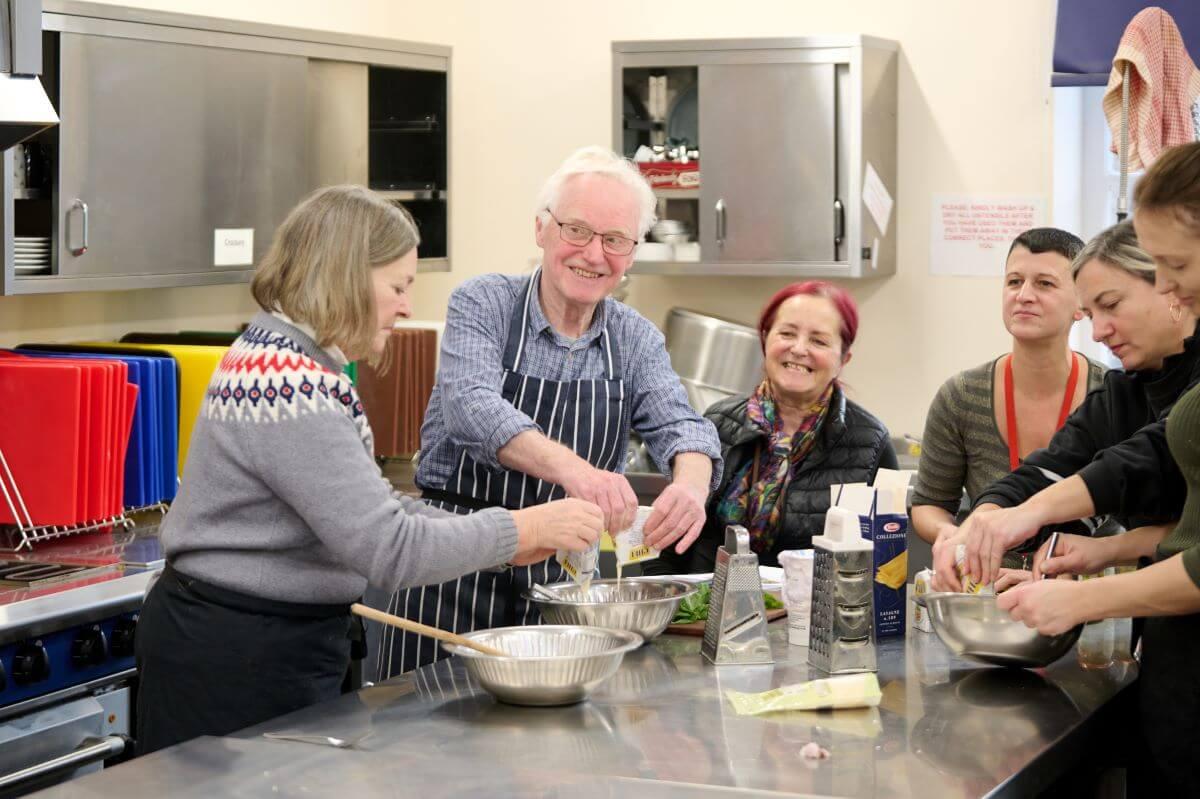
<point x="884" y="520"/>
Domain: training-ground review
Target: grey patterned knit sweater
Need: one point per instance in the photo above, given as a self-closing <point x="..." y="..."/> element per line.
<point x="961" y="446"/>
<point x="282" y="499"/>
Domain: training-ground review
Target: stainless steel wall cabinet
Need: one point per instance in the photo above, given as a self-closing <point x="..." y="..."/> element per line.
<point x="185" y="140"/>
<point x="784" y="131"/>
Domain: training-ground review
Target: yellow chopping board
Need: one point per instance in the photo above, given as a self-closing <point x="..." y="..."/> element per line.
<point x="196" y="364"/>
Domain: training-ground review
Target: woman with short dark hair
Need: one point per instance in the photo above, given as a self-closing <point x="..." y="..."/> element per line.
<point x="985" y="420"/>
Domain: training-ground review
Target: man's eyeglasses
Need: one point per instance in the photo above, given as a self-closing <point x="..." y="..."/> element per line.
<point x="581" y="235"/>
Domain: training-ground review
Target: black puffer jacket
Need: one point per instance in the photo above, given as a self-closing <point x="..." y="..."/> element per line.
<point x="851" y="445"/>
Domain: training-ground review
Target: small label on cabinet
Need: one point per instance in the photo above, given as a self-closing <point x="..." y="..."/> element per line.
<point x="233" y="246"/>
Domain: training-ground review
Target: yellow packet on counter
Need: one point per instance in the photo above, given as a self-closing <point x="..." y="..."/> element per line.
<point x="849" y="690"/>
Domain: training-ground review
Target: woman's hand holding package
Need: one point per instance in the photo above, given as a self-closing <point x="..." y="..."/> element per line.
<point x="945" y="577"/>
<point x="677" y="515"/>
<point x="1049" y="606"/>
<point x="988" y="534"/>
<point x="570" y="524"/>
<point x="608" y="490"/>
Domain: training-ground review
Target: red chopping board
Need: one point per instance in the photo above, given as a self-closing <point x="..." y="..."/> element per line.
<point x="39" y="436"/>
<point x="697" y="627"/>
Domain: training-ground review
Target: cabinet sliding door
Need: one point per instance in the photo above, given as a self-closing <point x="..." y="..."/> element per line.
<point x="767" y="162"/>
<point x="166" y="144"/>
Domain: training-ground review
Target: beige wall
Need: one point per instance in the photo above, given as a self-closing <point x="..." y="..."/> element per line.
<point x="531" y="81"/>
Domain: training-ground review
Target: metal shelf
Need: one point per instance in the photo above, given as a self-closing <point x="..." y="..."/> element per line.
<point x="831" y="269"/>
<point x="405" y="195"/>
<point x="677" y="194"/>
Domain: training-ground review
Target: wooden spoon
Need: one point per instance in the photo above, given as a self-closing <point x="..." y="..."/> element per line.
<point x="424" y="629"/>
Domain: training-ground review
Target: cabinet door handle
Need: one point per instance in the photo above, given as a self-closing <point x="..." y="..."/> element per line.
<point x="839" y="222"/>
<point x="719" y="208"/>
<point x="81" y="206"/>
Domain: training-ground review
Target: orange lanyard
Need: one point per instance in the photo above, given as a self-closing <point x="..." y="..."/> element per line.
<point x="1010" y="407"/>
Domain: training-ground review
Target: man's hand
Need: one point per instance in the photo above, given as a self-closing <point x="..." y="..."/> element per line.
<point x="677" y="515"/>
<point x="609" y="491"/>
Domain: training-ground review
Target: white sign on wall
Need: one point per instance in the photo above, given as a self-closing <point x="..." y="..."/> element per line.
<point x="971" y="233"/>
<point x="233" y="247"/>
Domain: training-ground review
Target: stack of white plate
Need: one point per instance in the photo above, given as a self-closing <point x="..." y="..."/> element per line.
<point x="31" y="254"/>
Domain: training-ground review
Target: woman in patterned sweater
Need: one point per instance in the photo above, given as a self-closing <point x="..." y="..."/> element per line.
<point x="283" y="515"/>
<point x="972" y="435"/>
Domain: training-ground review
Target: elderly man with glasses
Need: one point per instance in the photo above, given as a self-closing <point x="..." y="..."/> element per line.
<point x="542" y="378"/>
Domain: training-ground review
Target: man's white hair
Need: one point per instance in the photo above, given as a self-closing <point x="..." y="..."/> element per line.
<point x="596" y="160"/>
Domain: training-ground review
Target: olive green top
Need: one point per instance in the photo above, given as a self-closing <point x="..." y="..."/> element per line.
<point x="1183" y="437"/>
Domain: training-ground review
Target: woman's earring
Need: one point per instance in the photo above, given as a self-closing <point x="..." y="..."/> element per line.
<point x="1176" y="312"/>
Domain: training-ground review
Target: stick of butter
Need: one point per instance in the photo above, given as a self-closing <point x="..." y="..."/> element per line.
<point x="850" y="690"/>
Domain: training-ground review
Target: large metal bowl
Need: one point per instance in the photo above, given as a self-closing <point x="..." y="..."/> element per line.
<point x="973" y="626"/>
<point x="643" y="605"/>
<point x="550" y="664"/>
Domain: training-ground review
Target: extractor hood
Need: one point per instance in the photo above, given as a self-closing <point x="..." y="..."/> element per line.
<point x="24" y="107"/>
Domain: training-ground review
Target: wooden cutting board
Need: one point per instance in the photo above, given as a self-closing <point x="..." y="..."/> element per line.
<point x="697" y="627"/>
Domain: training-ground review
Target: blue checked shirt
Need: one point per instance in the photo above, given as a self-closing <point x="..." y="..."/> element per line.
<point x="467" y="412"/>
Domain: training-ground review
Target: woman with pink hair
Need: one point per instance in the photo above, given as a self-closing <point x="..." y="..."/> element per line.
<point x="794" y="436"/>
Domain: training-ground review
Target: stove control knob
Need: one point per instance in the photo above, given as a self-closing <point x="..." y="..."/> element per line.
<point x="89" y="648"/>
<point x="123" y="634"/>
<point x="31" y="663"/>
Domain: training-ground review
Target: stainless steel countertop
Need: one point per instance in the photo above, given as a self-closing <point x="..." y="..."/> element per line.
<point x="660" y="728"/>
<point x="121" y="565"/>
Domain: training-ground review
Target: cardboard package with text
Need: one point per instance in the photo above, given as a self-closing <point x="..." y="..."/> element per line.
<point x="884" y="520"/>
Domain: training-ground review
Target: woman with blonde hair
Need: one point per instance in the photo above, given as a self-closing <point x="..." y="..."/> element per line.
<point x="1111" y="450"/>
<point x="283" y="516"/>
<point x="1164" y="735"/>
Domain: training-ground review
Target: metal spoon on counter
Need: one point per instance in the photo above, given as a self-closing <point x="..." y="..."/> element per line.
<point x="323" y="740"/>
<point x="424" y="629"/>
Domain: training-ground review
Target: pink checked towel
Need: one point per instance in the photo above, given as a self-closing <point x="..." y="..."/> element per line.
<point x="1164" y="84"/>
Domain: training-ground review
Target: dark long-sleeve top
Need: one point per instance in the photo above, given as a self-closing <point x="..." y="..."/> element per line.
<point x="1116" y="442"/>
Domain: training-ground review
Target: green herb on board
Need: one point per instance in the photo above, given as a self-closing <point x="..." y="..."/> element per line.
<point x="695" y="607"/>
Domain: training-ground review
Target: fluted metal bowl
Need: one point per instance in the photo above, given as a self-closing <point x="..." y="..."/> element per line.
<point x="549" y="664"/>
<point x="973" y="626"/>
<point x="643" y="605"/>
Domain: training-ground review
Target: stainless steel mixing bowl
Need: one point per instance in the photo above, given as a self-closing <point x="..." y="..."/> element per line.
<point x="550" y="664"/>
<point x="972" y="626"/>
<point x="643" y="605"/>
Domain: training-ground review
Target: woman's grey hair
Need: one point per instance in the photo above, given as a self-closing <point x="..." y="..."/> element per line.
<point x="1117" y="247"/>
<point x="596" y="160"/>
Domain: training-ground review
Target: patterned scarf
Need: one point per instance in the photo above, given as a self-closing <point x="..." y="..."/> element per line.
<point x="757" y="507"/>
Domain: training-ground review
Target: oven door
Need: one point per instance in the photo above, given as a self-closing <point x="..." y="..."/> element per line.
<point x="56" y="743"/>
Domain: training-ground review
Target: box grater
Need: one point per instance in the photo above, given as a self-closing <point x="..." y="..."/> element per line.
<point x="736" y="629"/>
<point x="842" y="632"/>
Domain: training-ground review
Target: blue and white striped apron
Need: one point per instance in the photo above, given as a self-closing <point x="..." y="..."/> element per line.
<point x="585" y="415"/>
